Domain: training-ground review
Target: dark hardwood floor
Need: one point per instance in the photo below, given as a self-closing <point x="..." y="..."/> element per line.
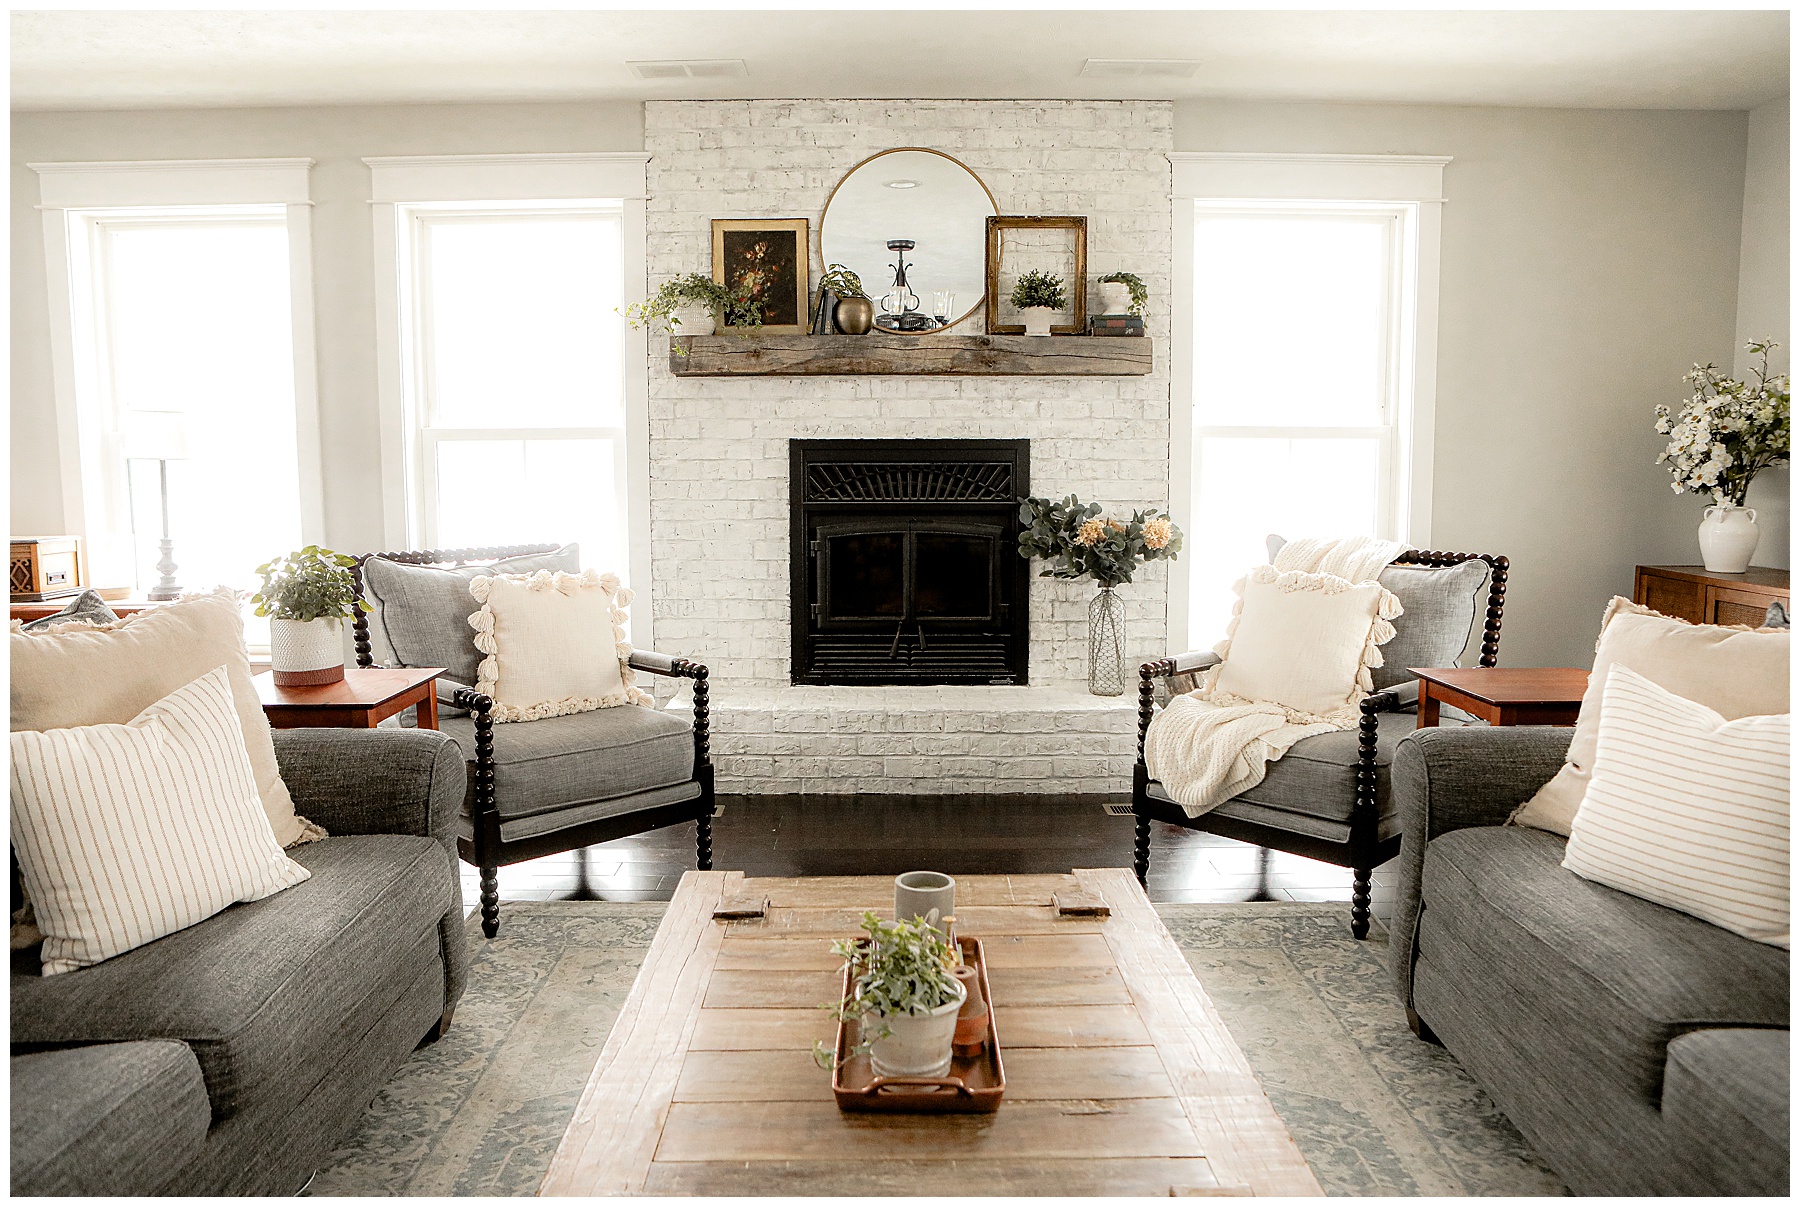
<point x="876" y="836"/>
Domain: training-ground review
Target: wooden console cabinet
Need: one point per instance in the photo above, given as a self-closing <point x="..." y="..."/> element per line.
<point x="1696" y="594"/>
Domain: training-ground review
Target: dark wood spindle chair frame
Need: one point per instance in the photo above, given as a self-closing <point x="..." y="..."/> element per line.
<point x="1364" y="849"/>
<point x="486" y="849"/>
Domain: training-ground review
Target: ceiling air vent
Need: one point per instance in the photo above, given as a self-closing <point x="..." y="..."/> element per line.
<point x="689" y="69"/>
<point x="1173" y="69"/>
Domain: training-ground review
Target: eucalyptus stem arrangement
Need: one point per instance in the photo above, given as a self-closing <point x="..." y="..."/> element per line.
<point x="1080" y="542"/>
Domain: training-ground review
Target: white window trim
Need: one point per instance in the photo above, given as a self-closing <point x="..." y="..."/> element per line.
<point x="399" y="182"/>
<point x="1415" y="181"/>
<point x="67" y="191"/>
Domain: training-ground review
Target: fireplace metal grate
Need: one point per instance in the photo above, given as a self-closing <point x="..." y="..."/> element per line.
<point x="945" y="658"/>
<point x="914" y="482"/>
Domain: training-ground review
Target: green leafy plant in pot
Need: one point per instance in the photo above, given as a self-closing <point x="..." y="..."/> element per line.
<point x="693" y="305"/>
<point x="904" y="992"/>
<point x="853" y="312"/>
<point x="307" y="595"/>
<point x="1123" y="293"/>
<point x="1038" y="296"/>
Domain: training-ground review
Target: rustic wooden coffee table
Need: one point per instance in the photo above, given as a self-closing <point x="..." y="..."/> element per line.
<point x="1120" y="1077"/>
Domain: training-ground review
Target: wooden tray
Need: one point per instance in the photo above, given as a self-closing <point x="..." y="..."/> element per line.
<point x="974" y="1084"/>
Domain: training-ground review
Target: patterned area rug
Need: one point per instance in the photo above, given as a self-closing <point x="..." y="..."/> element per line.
<point x="1375" y="1111"/>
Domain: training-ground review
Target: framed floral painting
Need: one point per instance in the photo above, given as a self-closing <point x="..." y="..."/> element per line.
<point x="767" y="258"/>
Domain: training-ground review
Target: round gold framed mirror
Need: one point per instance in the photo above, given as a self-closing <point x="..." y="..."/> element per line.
<point x="919" y="208"/>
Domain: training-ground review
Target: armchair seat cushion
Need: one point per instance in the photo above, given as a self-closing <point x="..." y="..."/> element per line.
<point x="1625" y="976"/>
<point x="269" y="994"/>
<point x="548" y="765"/>
<point x="1312" y="788"/>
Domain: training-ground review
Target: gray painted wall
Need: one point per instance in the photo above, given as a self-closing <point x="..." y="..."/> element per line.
<point x="1589" y="258"/>
<point x="1762" y="300"/>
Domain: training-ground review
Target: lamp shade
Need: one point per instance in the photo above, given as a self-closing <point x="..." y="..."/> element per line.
<point x="155" y="435"/>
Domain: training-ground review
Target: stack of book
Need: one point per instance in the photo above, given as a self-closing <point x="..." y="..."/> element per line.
<point x="1115" y="324"/>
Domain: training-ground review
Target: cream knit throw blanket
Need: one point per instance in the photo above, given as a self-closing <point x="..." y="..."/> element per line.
<point x="1205" y="752"/>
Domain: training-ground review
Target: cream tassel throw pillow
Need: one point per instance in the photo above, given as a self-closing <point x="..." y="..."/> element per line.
<point x="552" y="644"/>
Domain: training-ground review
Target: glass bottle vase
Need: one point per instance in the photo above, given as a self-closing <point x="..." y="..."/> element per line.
<point x="1106" y="644"/>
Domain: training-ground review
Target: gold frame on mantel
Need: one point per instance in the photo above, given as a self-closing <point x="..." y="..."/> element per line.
<point x="996" y="228"/>
<point x="854" y="168"/>
<point x="798" y="229"/>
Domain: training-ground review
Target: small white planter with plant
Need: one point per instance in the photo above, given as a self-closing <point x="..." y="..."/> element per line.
<point x="307" y="595"/>
<point x="693" y="305"/>
<point x="1039" y="297"/>
<point x="1722" y="437"/>
<point x="905" y="994"/>
<point x="1123" y="293"/>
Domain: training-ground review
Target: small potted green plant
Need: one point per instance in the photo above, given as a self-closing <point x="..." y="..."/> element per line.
<point x="1123" y="293"/>
<point x="854" y="313"/>
<point x="905" y="992"/>
<point x="692" y="305"/>
<point x="307" y="595"/>
<point x="1038" y="296"/>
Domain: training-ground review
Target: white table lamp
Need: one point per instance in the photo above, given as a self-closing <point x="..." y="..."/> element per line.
<point x="162" y="437"/>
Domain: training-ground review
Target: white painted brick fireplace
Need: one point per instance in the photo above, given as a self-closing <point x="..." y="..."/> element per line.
<point x="719" y="446"/>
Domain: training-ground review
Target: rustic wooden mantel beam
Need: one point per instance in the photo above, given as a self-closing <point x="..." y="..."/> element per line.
<point x="929" y="355"/>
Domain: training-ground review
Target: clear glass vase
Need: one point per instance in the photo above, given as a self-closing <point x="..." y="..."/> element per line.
<point x="1106" y="644"/>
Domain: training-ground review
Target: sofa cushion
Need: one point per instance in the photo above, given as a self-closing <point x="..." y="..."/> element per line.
<point x="268" y="993"/>
<point x="110" y="1119"/>
<point x="590" y="756"/>
<point x="1618" y="977"/>
<point x="1725" y="1099"/>
<point x="421" y="613"/>
<point x="1315" y="782"/>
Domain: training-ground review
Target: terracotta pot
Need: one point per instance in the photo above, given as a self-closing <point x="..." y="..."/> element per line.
<point x="855" y="315"/>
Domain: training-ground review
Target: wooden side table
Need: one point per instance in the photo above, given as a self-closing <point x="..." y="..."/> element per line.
<point x="367" y="696"/>
<point x="1503" y="695"/>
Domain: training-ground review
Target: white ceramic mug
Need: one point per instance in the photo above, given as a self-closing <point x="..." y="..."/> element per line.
<point x="916" y="894"/>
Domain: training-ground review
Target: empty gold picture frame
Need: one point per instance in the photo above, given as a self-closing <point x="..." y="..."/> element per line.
<point x="999" y="223"/>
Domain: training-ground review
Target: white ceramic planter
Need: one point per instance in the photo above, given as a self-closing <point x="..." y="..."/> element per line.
<point x="305" y="653"/>
<point x="1038" y="320"/>
<point x="1728" y="536"/>
<point x="1115" y="297"/>
<point x="693" y="320"/>
<point x="919" y="1045"/>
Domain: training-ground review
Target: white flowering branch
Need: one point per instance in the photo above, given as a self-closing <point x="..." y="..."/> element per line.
<point x="1728" y="432"/>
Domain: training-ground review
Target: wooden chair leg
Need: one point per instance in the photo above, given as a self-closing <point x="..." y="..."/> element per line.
<point x="1140" y="853"/>
<point x="1359" y="902"/>
<point x="490" y="900"/>
<point x="703" y="842"/>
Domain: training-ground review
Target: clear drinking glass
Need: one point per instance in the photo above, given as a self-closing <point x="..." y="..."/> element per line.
<point x="943" y="305"/>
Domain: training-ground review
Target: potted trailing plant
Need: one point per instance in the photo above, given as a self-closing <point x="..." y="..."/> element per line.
<point x="1722" y="437"/>
<point x="1123" y="293"/>
<point x="853" y="312"/>
<point x="307" y="595"/>
<point x="692" y="305"/>
<point x="905" y="992"/>
<point x="1038" y="296"/>
<point x="1079" y="542"/>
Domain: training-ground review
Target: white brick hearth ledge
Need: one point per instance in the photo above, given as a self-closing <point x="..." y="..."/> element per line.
<point x="926" y="740"/>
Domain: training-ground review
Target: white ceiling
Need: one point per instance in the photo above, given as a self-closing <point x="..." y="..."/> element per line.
<point x="1637" y="60"/>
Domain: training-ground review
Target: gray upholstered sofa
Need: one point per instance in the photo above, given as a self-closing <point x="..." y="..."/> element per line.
<point x="1639" y="1049"/>
<point x="230" y="1057"/>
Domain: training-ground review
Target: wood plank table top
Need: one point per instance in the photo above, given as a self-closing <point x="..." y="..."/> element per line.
<point x="1121" y="1077"/>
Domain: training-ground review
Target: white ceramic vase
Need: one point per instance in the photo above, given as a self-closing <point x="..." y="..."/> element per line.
<point x="1037" y="320"/>
<point x="919" y="1045"/>
<point x="306" y="653"/>
<point x="1728" y="537"/>
<point x="693" y="320"/>
<point x="1115" y="297"/>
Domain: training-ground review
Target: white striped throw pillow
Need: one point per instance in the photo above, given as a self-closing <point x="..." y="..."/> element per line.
<point x="1687" y="809"/>
<point x="126" y="833"/>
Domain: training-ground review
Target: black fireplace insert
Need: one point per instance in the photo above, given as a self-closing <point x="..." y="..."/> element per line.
<point x="905" y="561"/>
